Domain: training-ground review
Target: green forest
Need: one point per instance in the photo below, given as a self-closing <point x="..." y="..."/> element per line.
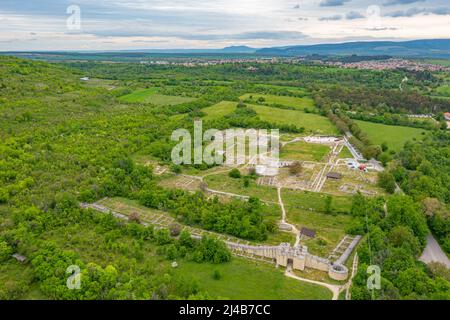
<point x="65" y="141"/>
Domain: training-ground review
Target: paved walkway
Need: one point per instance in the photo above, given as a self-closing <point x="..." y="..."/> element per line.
<point x="434" y="253"/>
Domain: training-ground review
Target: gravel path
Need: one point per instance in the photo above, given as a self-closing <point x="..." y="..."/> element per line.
<point x="434" y="253"/>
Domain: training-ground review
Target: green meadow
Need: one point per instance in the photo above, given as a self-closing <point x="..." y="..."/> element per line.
<point x="293" y="102"/>
<point x="301" y="150"/>
<point x="394" y="136"/>
<point x="219" y="110"/>
<point x="311" y="122"/>
<point x="151" y="96"/>
<point x="247" y="280"/>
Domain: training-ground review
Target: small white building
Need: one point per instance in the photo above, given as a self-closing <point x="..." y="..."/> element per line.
<point x="84" y="79"/>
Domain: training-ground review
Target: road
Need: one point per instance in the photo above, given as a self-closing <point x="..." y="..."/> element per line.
<point x="434" y="253"/>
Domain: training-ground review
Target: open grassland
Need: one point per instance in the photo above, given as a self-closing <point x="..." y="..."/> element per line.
<point x="352" y="181"/>
<point x="330" y="229"/>
<point x="314" y="201"/>
<point x="294" y="102"/>
<point x="151" y="96"/>
<point x="394" y="136"/>
<point x="443" y="91"/>
<point x="283" y="89"/>
<point x="248" y="280"/>
<point x="311" y="122"/>
<point x="345" y="153"/>
<point x="219" y="110"/>
<point x="225" y="183"/>
<point x="301" y="150"/>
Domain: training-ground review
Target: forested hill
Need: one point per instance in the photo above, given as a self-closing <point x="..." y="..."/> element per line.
<point x="437" y="48"/>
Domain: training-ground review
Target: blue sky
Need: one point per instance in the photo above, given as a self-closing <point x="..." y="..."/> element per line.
<point x="127" y="24"/>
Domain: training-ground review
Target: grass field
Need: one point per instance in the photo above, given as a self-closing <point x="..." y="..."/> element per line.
<point x="151" y="96"/>
<point x="219" y="110"/>
<point x="225" y="183"/>
<point x="311" y="122"/>
<point x="282" y="89"/>
<point x="394" y="136"/>
<point x="330" y="229"/>
<point x="345" y="153"/>
<point x="301" y="150"/>
<point x="443" y="91"/>
<point x="247" y="280"/>
<point x="314" y="201"/>
<point x="294" y="102"/>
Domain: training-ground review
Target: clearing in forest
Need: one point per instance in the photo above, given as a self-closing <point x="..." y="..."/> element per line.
<point x="394" y="136"/>
<point x="287" y="101"/>
<point x="151" y="96"/>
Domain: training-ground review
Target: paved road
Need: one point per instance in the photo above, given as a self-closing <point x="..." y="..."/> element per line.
<point x="434" y="253"/>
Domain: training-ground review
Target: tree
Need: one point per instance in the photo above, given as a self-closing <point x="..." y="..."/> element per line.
<point x="386" y="181"/>
<point x="5" y="251"/>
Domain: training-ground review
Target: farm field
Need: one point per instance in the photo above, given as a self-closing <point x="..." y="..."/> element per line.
<point x="394" y="136"/>
<point x="151" y="96"/>
<point x="293" y="102"/>
<point x="241" y="279"/>
<point x="301" y="150"/>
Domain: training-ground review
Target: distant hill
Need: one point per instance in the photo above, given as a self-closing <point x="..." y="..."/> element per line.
<point x="238" y="49"/>
<point x="434" y="48"/>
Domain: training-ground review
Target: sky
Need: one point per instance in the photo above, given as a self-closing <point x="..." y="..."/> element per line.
<point x="171" y="24"/>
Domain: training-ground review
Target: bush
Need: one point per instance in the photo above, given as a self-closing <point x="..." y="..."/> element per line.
<point x="217" y="275"/>
<point x="235" y="173"/>
<point x="5" y="251"/>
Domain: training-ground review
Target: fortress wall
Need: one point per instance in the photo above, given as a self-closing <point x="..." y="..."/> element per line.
<point x="318" y="263"/>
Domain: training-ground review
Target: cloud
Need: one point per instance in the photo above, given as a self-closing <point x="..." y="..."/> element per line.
<point x="442" y="11"/>
<point x="333" y="3"/>
<point x="381" y="28"/>
<point x="251" y="35"/>
<point x="354" y="15"/>
<point x="400" y="2"/>
<point x="331" y="18"/>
